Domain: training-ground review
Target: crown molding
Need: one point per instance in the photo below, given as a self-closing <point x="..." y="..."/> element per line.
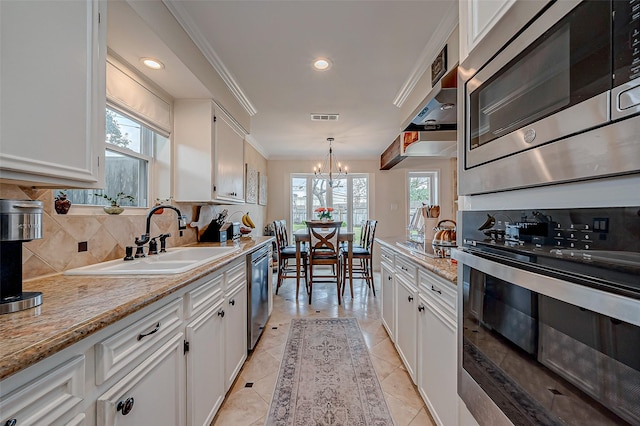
<point x="178" y="11"/>
<point x="437" y="40"/>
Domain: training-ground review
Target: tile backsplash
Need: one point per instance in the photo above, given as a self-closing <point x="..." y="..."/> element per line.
<point x="106" y="235"/>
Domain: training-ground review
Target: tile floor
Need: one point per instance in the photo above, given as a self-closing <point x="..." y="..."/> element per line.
<point x="246" y="406"/>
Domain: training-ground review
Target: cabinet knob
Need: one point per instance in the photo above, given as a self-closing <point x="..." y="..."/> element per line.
<point x="232" y="302"/>
<point x="410" y="298"/>
<point x="389" y="277"/>
<point x="125" y="406"/>
<point x="421" y="308"/>
<point x="11" y="422"/>
<point x="221" y="313"/>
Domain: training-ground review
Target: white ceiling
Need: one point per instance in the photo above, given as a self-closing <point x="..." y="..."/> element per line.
<point x="267" y="48"/>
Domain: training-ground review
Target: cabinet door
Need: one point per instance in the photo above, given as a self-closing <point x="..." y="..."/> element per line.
<point x="477" y="17"/>
<point x="388" y="300"/>
<point x="235" y="332"/>
<point x="229" y="158"/>
<point x="193" y="149"/>
<point x="152" y="394"/>
<point x="205" y="365"/>
<point x="437" y="363"/>
<point x="52" y="80"/>
<point x="406" y="311"/>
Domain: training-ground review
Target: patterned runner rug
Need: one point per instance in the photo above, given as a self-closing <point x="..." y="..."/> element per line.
<point x="327" y="378"/>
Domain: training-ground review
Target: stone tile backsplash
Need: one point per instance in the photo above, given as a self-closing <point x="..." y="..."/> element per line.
<point x="106" y="235"/>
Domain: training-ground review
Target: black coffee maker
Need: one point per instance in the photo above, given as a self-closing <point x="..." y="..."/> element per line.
<point x="20" y="221"/>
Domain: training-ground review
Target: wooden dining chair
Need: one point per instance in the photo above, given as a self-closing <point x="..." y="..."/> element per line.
<point x="286" y="252"/>
<point x="324" y="249"/>
<point x="362" y="262"/>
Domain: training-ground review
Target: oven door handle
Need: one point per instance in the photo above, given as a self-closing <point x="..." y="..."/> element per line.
<point x="614" y="305"/>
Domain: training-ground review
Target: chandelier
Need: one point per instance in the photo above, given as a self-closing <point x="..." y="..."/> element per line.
<point x="330" y="169"/>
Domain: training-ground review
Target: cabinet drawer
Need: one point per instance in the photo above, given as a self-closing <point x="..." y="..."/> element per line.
<point x="201" y="298"/>
<point x="235" y="276"/>
<point x="123" y="348"/>
<point x="441" y="292"/>
<point x="386" y="256"/>
<point x="46" y="399"/>
<point x="406" y="268"/>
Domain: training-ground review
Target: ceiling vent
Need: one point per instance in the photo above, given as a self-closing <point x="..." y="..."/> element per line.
<point x="324" y="117"/>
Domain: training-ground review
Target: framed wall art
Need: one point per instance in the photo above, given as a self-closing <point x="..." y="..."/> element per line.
<point x="251" y="191"/>
<point x="262" y="189"/>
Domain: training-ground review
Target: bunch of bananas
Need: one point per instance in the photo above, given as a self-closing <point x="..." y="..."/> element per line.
<point x="246" y="221"/>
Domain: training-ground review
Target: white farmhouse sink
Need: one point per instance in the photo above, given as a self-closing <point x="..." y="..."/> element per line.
<point x="174" y="261"/>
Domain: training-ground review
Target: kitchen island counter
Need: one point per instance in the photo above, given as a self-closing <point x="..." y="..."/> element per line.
<point x="75" y="307"/>
<point x="441" y="267"/>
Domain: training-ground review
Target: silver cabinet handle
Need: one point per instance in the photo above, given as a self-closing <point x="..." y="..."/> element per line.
<point x="155" y="330"/>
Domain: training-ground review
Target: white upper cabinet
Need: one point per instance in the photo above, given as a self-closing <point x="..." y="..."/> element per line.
<point x="209" y="153"/>
<point x="477" y="17"/>
<point x="52" y="85"/>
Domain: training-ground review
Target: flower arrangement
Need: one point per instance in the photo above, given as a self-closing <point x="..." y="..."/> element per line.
<point x="324" y="212"/>
<point x="115" y="208"/>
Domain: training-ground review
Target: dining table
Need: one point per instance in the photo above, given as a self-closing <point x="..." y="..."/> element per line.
<point x="302" y="235"/>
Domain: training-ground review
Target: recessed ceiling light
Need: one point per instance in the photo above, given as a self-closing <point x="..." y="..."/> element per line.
<point x="322" y="64"/>
<point x="152" y="63"/>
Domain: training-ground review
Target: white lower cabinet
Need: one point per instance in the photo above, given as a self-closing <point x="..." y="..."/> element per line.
<point x="406" y="312"/>
<point x="151" y="394"/>
<point x="437" y="362"/>
<point x="235" y="332"/>
<point x="48" y="399"/>
<point x="388" y="300"/>
<point x="419" y="313"/>
<point x="205" y="380"/>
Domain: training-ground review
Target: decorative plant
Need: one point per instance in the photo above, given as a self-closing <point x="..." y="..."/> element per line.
<point x="324" y="212"/>
<point x="115" y="201"/>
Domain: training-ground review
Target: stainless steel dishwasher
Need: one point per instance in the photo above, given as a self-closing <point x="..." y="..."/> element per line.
<point x="257" y="294"/>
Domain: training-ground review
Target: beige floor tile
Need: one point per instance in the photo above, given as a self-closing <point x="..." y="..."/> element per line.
<point x="423" y="418"/>
<point x="383" y="368"/>
<point x="265" y="386"/>
<point x="399" y="385"/>
<point x="386" y="351"/>
<point x="401" y="413"/>
<point x="260" y="365"/>
<point x="241" y="408"/>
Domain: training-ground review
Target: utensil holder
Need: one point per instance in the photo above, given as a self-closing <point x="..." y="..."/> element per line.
<point x="429" y="232"/>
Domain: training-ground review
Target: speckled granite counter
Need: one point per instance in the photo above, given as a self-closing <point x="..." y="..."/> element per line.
<point x="76" y="306"/>
<point x="442" y="267"/>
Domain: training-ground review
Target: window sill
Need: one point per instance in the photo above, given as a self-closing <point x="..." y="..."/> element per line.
<point x="80" y="210"/>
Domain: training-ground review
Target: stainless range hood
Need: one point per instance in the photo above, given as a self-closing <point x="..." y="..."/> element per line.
<point x="432" y="130"/>
<point x="438" y="110"/>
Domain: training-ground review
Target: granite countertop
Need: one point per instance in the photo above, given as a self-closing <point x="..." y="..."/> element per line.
<point x="444" y="268"/>
<point x="75" y="307"/>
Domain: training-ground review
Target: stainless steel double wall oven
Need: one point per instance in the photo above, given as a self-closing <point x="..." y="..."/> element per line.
<point x="549" y="289"/>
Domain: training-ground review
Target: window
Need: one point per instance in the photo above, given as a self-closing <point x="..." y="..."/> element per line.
<point x="349" y="199"/>
<point x="132" y="151"/>
<point x="423" y="189"/>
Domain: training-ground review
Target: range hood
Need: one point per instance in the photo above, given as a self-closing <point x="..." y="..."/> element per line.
<point x="432" y="132"/>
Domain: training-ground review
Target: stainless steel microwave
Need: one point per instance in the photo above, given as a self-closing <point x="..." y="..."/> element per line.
<point x="559" y="102"/>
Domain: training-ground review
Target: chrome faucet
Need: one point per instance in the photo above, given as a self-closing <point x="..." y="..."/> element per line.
<point x="144" y="238"/>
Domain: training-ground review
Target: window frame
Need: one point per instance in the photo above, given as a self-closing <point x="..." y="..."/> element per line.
<point x="309" y="196"/>
<point x="434" y="178"/>
<point x="148" y="153"/>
